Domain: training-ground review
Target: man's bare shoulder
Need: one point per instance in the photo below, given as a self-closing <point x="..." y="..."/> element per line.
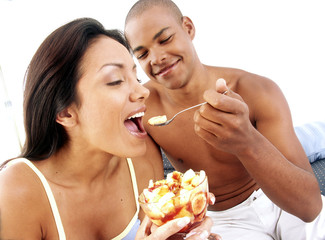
<point x="239" y="77"/>
<point x="252" y="87"/>
<point x="247" y="83"/>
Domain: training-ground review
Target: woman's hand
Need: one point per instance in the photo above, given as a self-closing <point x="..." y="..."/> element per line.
<point x="149" y="231"/>
<point x="202" y="231"/>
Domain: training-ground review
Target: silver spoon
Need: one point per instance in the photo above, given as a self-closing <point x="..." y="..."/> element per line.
<point x="162" y="120"/>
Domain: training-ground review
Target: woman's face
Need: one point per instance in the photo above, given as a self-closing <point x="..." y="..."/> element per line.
<point x="109" y="117"/>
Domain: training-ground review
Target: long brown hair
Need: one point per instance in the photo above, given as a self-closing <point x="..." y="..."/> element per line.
<point x="50" y="83"/>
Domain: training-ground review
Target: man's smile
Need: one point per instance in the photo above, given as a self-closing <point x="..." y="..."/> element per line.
<point x="166" y="69"/>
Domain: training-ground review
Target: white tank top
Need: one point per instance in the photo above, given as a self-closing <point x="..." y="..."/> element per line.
<point x="130" y="230"/>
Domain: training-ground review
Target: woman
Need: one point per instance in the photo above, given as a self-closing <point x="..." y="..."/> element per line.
<point x="83" y="108"/>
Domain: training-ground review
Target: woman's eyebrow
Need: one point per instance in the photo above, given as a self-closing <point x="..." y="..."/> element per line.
<point x="118" y="65"/>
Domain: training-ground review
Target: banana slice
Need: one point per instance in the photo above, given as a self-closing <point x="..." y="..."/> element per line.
<point x="158" y="119"/>
<point x="198" y="203"/>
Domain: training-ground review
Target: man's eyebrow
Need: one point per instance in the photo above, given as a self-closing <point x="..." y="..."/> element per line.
<point x="137" y="49"/>
<point x="157" y="35"/>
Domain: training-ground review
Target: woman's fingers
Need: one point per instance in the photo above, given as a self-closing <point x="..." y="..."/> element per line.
<point x="202" y="231"/>
<point x="170" y="228"/>
<point x="149" y="231"/>
<point x="144" y="229"/>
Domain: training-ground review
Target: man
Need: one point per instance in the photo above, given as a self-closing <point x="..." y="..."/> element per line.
<point x="243" y="138"/>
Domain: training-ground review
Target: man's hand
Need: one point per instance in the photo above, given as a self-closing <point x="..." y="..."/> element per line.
<point x="224" y="122"/>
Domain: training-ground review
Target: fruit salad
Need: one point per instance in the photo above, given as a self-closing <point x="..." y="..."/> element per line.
<point x="179" y="195"/>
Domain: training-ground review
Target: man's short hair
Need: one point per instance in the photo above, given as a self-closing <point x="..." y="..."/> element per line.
<point x="143" y="5"/>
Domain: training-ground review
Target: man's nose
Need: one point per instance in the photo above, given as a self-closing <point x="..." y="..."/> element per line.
<point x="157" y="57"/>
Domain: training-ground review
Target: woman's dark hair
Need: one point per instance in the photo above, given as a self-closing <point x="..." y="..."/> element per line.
<point x="50" y="83"/>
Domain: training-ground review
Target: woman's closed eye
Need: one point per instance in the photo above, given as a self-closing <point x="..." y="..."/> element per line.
<point x="115" y="83"/>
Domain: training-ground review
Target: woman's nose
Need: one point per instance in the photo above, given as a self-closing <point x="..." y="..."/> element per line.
<point x="140" y="93"/>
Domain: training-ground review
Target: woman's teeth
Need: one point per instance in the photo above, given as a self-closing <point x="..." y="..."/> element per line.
<point x="134" y="125"/>
<point x="139" y="114"/>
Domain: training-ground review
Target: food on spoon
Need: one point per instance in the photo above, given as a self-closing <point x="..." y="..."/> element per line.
<point x="177" y="196"/>
<point x="157" y="120"/>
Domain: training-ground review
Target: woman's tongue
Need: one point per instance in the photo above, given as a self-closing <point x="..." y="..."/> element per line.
<point x="131" y="126"/>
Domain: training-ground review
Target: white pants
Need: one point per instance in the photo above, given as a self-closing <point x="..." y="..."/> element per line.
<point x="316" y="229"/>
<point x="258" y="218"/>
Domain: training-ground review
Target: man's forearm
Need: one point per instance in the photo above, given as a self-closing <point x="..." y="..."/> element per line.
<point x="292" y="188"/>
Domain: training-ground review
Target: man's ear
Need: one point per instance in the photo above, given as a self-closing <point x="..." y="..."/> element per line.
<point x="67" y="117"/>
<point x="188" y="26"/>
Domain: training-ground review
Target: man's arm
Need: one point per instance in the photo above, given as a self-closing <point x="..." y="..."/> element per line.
<point x="270" y="150"/>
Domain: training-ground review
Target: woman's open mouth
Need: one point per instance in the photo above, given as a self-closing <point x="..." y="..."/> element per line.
<point x="135" y="126"/>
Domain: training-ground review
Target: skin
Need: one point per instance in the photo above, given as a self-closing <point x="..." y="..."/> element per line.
<point x="89" y="177"/>
<point x="244" y="140"/>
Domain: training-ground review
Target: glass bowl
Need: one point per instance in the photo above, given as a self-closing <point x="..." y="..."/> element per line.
<point x="179" y="195"/>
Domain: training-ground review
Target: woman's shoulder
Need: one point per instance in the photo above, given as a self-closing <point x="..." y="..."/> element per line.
<point x="20" y="187"/>
<point x="18" y="181"/>
<point x="15" y="174"/>
<point x="21" y="200"/>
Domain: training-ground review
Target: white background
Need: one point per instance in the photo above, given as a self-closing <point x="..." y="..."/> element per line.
<point x="282" y="40"/>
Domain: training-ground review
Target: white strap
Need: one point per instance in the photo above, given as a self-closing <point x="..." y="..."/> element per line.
<point x="136" y="194"/>
<point x="49" y="194"/>
<point x="134" y="182"/>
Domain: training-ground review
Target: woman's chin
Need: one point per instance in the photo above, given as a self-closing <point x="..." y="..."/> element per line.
<point x="136" y="150"/>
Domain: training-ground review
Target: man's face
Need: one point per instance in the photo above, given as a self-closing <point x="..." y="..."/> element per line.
<point x="163" y="46"/>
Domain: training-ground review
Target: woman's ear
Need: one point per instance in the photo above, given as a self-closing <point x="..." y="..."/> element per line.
<point x="188" y="26"/>
<point x="67" y="117"/>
